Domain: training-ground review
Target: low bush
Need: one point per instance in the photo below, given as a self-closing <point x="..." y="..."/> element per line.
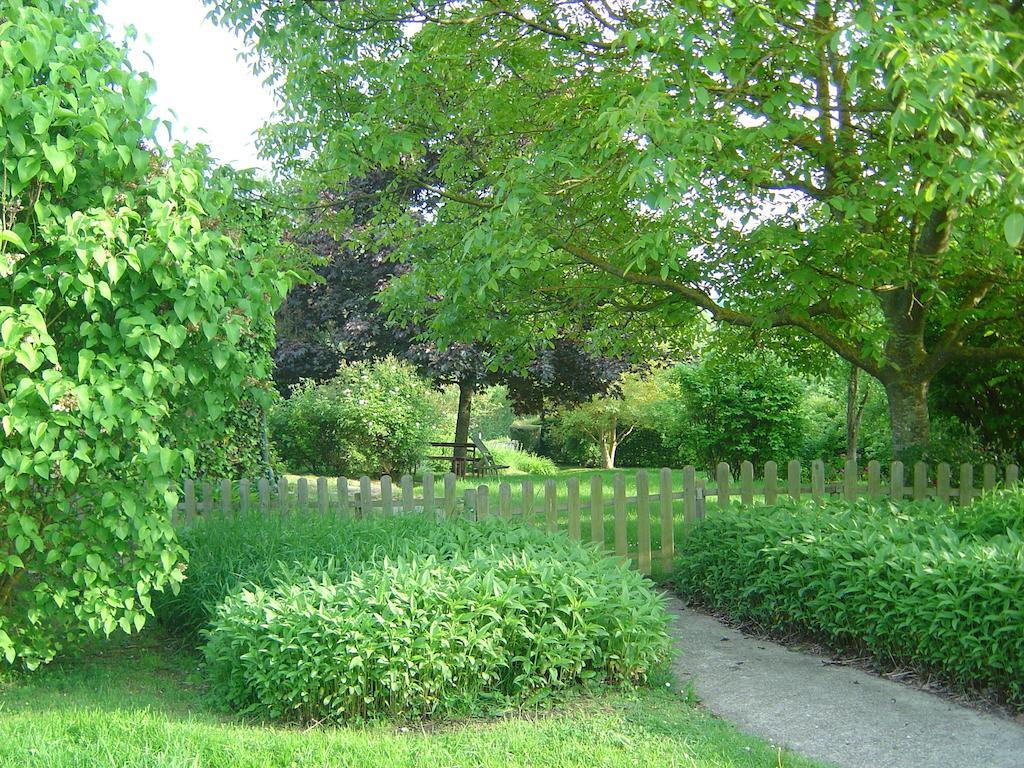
<point x="433" y="636"/>
<point x="918" y="584"/>
<point x="523" y="462"/>
<point x="372" y="418"/>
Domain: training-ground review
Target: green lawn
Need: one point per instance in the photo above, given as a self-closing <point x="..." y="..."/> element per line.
<point x="139" y="703"/>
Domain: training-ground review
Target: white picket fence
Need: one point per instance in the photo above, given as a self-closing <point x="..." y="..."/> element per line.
<point x="628" y="516"/>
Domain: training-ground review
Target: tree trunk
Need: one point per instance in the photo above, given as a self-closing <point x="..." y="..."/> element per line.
<point x="465" y="411"/>
<point x="908" y="412"/>
<point x="852" y="414"/>
<point x="607" y="454"/>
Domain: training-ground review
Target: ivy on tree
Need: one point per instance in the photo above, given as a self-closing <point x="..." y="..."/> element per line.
<point x="124" y="314"/>
<point x="850" y="169"/>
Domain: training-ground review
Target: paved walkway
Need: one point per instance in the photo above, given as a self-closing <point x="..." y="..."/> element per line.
<point x="834" y="713"/>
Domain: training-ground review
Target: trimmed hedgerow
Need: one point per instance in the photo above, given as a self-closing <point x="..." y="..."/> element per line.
<point x="429" y="637"/>
<point x="917" y="584"/>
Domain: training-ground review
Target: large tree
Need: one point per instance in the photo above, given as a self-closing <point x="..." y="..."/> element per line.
<point x="850" y="169"/>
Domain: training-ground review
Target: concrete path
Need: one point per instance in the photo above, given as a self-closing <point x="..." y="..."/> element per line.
<point x="833" y="713"/>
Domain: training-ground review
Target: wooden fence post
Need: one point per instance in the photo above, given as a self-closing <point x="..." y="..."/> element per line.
<point x="282" y="495"/>
<point x="689" y="495"/>
<point x="874" y="479"/>
<point x="428" y="493"/>
<point x="988" y="475"/>
<point x="365" y="507"/>
<point x="226" y="492"/>
<point x="818" y="482"/>
<point x="668" y="532"/>
<point x="551" y="505"/>
<point x="190" y="501"/>
<point x="505" y="500"/>
<point x="469" y="502"/>
<point x="747" y="483"/>
<point x="263" y="491"/>
<point x="207" y="500"/>
<point x="722" y="477"/>
<point x="701" y="503"/>
<point x="1012" y="475"/>
<point x="386" y="496"/>
<point x="244" y="496"/>
<point x="793" y="479"/>
<point x="920" y="481"/>
<point x="896" y="481"/>
<point x="966" y="484"/>
<point x="322" y="497"/>
<point x="643" y="522"/>
<point x="407" y="494"/>
<point x="771" y="483"/>
<point x="449" y="494"/>
<point x="302" y="496"/>
<point x="572" y="488"/>
<point x="942" y="484"/>
<point x="596" y="511"/>
<point x="483" y="502"/>
<point x="850" y="480"/>
<point x="619" y="507"/>
<point x="526" y="501"/>
<point x="342" y="486"/>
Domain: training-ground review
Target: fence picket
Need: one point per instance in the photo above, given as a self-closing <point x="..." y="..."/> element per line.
<point x="551" y="505"/>
<point x="818" y="482"/>
<point x="407" y="494"/>
<point x="643" y="522"/>
<point x="850" y="480"/>
<point x="1012" y="475"/>
<point x="282" y="495"/>
<point x="920" y="481"/>
<point x="722" y="477"/>
<point x="505" y="500"/>
<point x="342" y="487"/>
<point x="793" y="479"/>
<point x="302" y="496"/>
<point x="263" y="491"/>
<point x="483" y="502"/>
<point x="526" y="501"/>
<point x="966" y="484"/>
<point x="689" y="495"/>
<point x="365" y="506"/>
<point x="428" y="493"/>
<point x="573" y="492"/>
<point x="771" y="483"/>
<point x="988" y="478"/>
<point x="747" y="483"/>
<point x="207" y="501"/>
<point x="469" y="502"/>
<point x="942" y="484"/>
<point x="244" y="496"/>
<point x="323" y="502"/>
<point x="619" y="507"/>
<point x="874" y="480"/>
<point x="226" y="493"/>
<point x="387" y="501"/>
<point x="668" y="541"/>
<point x="449" y="494"/>
<point x="896" y="481"/>
<point x="596" y="511"/>
<point x="190" y="500"/>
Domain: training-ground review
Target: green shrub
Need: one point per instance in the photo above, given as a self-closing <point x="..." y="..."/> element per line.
<point x="917" y="584"/>
<point x="436" y="636"/>
<point x="523" y="462"/>
<point x="372" y="418"/>
<point x="644" y="448"/>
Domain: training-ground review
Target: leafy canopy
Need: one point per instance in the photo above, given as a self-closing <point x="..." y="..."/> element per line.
<point x="124" y="314"/>
<point x="849" y="169"/>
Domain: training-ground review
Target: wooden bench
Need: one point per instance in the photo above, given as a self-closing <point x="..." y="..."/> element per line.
<point x="460" y="465"/>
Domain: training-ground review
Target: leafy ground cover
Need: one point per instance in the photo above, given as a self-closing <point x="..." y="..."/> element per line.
<point x="139" y="703"/>
<point x="916" y="585"/>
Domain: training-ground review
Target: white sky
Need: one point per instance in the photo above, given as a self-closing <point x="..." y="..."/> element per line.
<point x="209" y="96"/>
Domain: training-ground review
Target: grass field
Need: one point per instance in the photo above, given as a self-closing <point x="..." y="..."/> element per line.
<point x="138" y="703"/>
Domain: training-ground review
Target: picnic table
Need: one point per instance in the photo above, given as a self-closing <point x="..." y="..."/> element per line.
<point x="472" y="457"/>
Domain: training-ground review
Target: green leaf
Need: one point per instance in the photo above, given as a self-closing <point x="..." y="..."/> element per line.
<point x="9" y="236"/>
<point x="1013" y="229"/>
